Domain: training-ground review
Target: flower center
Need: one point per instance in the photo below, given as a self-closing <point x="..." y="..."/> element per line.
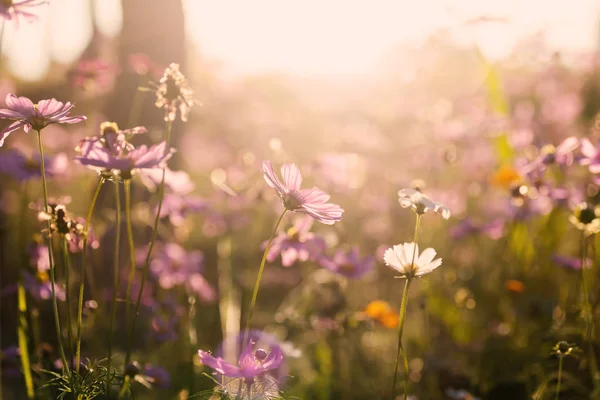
<point x="293" y="233"/>
<point x="291" y="202"/>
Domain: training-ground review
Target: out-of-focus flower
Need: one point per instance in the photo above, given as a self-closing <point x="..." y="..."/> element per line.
<point x="494" y="229"/>
<point x="420" y="204"/>
<point x="586" y="218"/>
<point x="590" y="156"/>
<point x="505" y="176"/>
<point x="381" y="312"/>
<point x="38" y="284"/>
<point x="460" y="394"/>
<point x="112" y="154"/>
<point x="560" y="155"/>
<point x="10" y="10"/>
<point x="251" y="364"/>
<point x="297" y="243"/>
<point x="308" y="201"/>
<point x="165" y="329"/>
<point x="348" y="263"/>
<point x="177" y="207"/>
<point x="571" y="262"/>
<point x="28" y="116"/>
<point x="173" y="266"/>
<point x="157" y="376"/>
<point x="514" y="285"/>
<point x="401" y="256"/>
<point x="141" y="64"/>
<point x="173" y="93"/>
<point x="178" y="182"/>
<point x="94" y="75"/>
<point x="23" y="168"/>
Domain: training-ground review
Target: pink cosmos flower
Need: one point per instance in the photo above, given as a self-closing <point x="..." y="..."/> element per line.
<point x="308" y="201"/>
<point x="10" y="10"/>
<point x="297" y="243"/>
<point x="348" y="263"/>
<point x="251" y="364"/>
<point x="35" y="116"/>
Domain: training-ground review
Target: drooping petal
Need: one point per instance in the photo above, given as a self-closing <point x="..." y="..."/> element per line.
<point x="10" y="114"/>
<point x="11" y="128"/>
<point x="314" y="196"/>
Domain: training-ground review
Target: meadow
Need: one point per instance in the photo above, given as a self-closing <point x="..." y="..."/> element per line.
<point x="169" y="232"/>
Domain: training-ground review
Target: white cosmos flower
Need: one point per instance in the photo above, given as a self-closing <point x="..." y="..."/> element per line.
<point x="411" y="198"/>
<point x="400" y="257"/>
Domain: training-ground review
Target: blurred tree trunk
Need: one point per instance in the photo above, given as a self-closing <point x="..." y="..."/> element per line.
<point x="155" y="28"/>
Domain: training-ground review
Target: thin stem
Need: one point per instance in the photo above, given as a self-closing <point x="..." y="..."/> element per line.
<point x="127" y="183"/>
<point x="113" y="306"/>
<point x="82" y="271"/>
<point x="402" y="314"/>
<point x="259" y="277"/>
<point x="586" y="297"/>
<point x="51" y="257"/>
<point x="161" y="195"/>
<point x="560" y="365"/>
<point x="67" y="266"/>
<point x="22" y="328"/>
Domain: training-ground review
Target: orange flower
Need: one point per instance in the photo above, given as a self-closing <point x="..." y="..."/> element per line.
<point x="505" y="176"/>
<point x="515" y="286"/>
<point x="380" y="311"/>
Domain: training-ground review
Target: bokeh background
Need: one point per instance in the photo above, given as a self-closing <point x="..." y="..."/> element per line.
<point x="367" y="98"/>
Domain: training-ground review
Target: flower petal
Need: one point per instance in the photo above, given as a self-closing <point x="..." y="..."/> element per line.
<point x="11" y="128"/>
<point x="271" y="178"/>
<point x="291" y="176"/>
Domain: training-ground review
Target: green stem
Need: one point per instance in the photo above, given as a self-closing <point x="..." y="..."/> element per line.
<point x="259" y="277"/>
<point x="113" y="306"/>
<point x="82" y="271"/>
<point x="50" y="257"/>
<point x="560" y="365"/>
<point x="161" y="195"/>
<point x="67" y="266"/>
<point x="22" y="328"/>
<point x="127" y="183"/>
<point x="402" y="314"/>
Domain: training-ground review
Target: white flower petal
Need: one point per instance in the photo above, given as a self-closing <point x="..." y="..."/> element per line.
<point x="426" y="256"/>
<point x="425" y="269"/>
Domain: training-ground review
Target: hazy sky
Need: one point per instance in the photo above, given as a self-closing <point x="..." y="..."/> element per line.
<point x="309" y="36"/>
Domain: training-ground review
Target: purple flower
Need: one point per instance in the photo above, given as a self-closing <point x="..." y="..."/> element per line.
<point x="35" y="116"/>
<point x="348" y="263"/>
<point x="158" y="376"/>
<point x="94" y="74"/>
<point x="571" y="262"/>
<point x="10" y="10"/>
<point x="40" y="287"/>
<point x="493" y="229"/>
<point x="297" y="243"/>
<point x="115" y="158"/>
<point x="23" y="168"/>
<point x="176" y="207"/>
<point x="250" y="364"/>
<point x="560" y="155"/>
<point x="176" y="181"/>
<point x="173" y="266"/>
<point x="590" y="156"/>
<point x="308" y="201"/>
